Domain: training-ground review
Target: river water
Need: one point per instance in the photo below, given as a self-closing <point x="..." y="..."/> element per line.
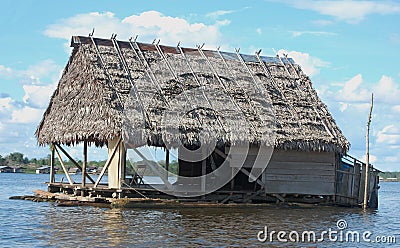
<point x="30" y="224"/>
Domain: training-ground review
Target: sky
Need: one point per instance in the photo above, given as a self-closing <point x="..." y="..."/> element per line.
<point x="350" y="49"/>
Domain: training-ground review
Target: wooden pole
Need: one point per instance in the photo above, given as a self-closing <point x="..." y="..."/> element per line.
<point x="107" y="163"/>
<point x="203" y="175"/>
<point x="365" y="203"/>
<point x="153" y="168"/>
<point x="166" y="163"/>
<point x="84" y="164"/>
<point x="233" y="179"/>
<point x="52" y="163"/>
<point x="64" y="168"/>
<point x="74" y="162"/>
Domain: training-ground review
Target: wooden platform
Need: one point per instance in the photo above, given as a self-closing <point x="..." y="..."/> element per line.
<point x="145" y="196"/>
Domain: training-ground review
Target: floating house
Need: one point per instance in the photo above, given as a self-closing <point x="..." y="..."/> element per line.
<point x="9" y="169"/>
<point x="74" y="170"/>
<point x="43" y="170"/>
<point x="267" y="124"/>
<point x="6" y="169"/>
<point x="92" y="170"/>
<point x="18" y="169"/>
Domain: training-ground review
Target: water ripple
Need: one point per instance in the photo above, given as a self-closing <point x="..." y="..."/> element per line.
<point x="27" y="224"/>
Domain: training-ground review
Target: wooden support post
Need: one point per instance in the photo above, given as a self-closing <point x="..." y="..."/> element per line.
<point x="116" y="169"/>
<point x="64" y="168"/>
<point x="248" y="199"/>
<point x="153" y="168"/>
<point x="279" y="197"/>
<point x="84" y="164"/>
<point x="74" y="162"/>
<point x="166" y="164"/>
<point x="107" y="163"/>
<point x="233" y="179"/>
<point x="365" y="203"/>
<point x="203" y="175"/>
<point x="248" y="174"/>
<point x="52" y="163"/>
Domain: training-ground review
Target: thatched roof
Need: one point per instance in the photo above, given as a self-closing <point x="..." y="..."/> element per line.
<point x="106" y="81"/>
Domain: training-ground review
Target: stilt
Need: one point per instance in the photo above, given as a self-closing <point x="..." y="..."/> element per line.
<point x="110" y="158"/>
<point x="64" y="168"/>
<point x="84" y="164"/>
<point x="166" y="163"/>
<point x="203" y="175"/>
<point x="365" y="203"/>
<point x="52" y="163"/>
<point x="233" y="179"/>
<point x="73" y="161"/>
<point x="116" y="169"/>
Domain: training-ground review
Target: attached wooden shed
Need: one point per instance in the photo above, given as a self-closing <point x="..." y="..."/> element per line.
<point x="107" y="80"/>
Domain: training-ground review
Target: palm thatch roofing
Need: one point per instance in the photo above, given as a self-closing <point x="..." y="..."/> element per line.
<point x="107" y="80"/>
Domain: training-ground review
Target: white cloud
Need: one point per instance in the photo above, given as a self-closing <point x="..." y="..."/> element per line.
<point x="26" y="115"/>
<point x="224" y="22"/>
<point x="343" y="106"/>
<point x="44" y="68"/>
<point x="19" y="117"/>
<point x="372" y="158"/>
<point x="5" y="71"/>
<point x="348" y="11"/>
<point x="387" y="90"/>
<point x="82" y="24"/>
<point x="296" y="34"/>
<point x="38" y="95"/>
<point x="396" y="108"/>
<point x="350" y="103"/>
<point x="218" y="13"/>
<point x="258" y="31"/>
<point x="322" y="22"/>
<point x="352" y="91"/>
<point x="148" y="25"/>
<point x="309" y="64"/>
<point x="5" y="104"/>
<point x="389" y="135"/>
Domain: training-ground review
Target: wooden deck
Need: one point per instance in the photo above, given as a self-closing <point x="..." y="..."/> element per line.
<point x="147" y="193"/>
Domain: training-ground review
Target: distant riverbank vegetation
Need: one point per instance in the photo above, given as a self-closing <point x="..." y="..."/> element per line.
<point x="390" y="176"/>
<point x="19" y="160"/>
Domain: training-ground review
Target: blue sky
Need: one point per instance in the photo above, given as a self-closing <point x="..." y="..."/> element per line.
<point x="348" y="48"/>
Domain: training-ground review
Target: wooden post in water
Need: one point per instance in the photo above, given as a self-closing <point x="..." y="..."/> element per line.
<point x="84" y="165"/>
<point x="367" y="155"/>
<point x="166" y="163"/>
<point x="52" y="163"/>
<point x="203" y="173"/>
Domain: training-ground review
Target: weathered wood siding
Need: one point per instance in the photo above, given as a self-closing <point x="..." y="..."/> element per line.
<point x="295" y="172"/>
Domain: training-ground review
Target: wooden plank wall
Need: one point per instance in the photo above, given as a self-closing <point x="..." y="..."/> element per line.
<point x="295" y="172"/>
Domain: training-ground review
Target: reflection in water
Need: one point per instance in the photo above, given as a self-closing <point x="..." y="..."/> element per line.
<point x="189" y="227"/>
<point x="27" y="224"/>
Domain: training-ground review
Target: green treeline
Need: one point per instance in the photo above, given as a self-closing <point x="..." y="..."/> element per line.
<point x="387" y="174"/>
